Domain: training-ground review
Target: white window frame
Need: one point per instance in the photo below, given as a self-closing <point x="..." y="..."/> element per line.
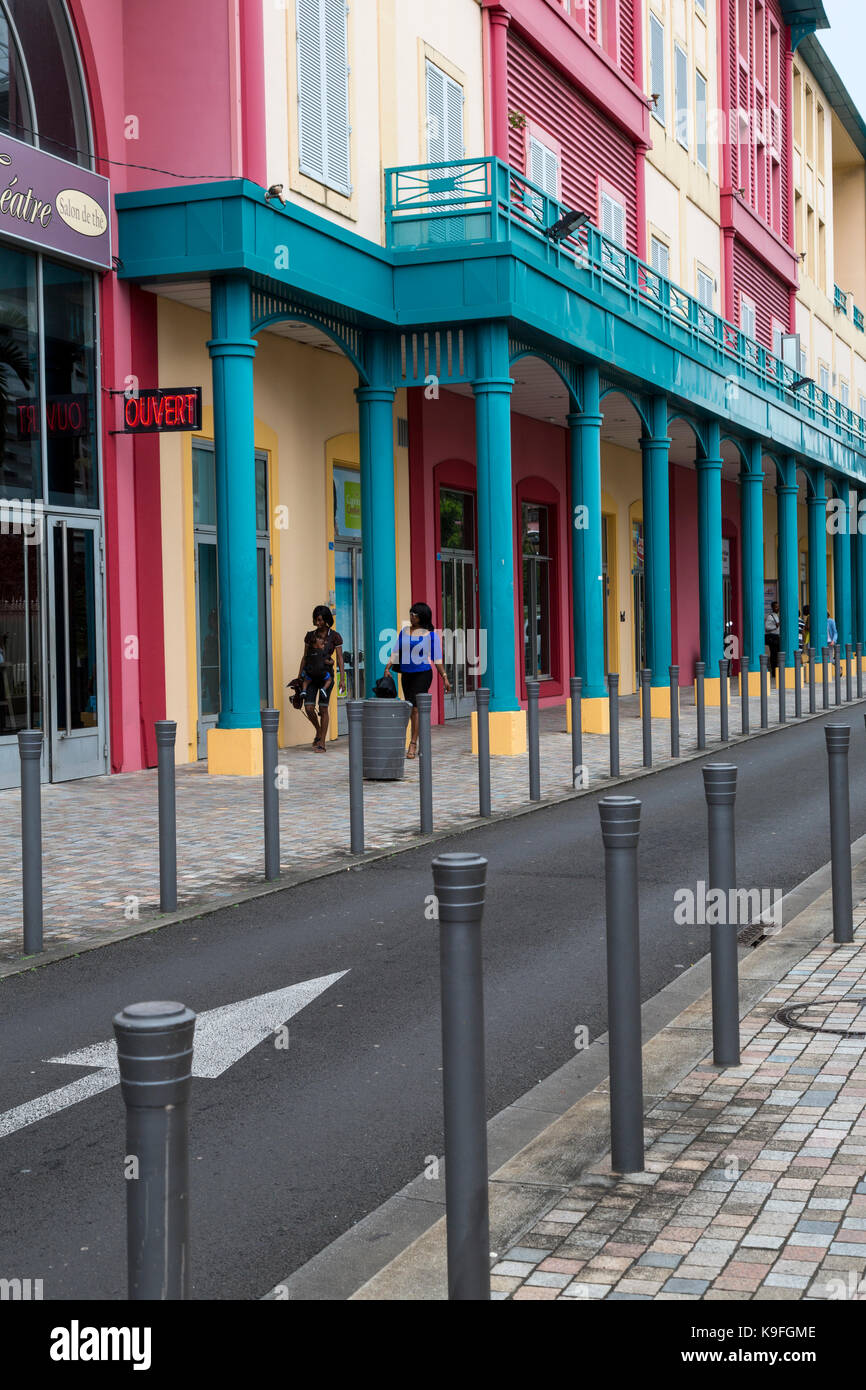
<point x="322" y="74"/>
<point x="657" y="80"/>
<point x="844" y="391"/>
<point x="657" y="244"/>
<point x="861" y="405"/>
<point x="618" y="214"/>
<point x="748" y="308"/>
<point x="823" y="376"/>
<point x="551" y="162"/>
<point x="704" y="277"/>
<point x="779" y="330"/>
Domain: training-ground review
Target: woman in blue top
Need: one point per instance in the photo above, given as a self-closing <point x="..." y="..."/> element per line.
<point x="415" y="654"/>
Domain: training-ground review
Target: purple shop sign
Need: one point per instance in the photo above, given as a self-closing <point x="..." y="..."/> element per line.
<point x="51" y="205"/>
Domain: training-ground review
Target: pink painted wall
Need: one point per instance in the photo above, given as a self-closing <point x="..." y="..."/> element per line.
<point x="442" y="454"/>
<point x="685" y="599"/>
<point x="174" y="68"/>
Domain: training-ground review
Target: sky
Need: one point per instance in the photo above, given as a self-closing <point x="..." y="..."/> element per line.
<point x="845" y="45"/>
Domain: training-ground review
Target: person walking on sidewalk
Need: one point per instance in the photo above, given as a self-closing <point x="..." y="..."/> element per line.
<point x="772" y="625"/>
<point x="316" y="672"/>
<point x="414" y="655"/>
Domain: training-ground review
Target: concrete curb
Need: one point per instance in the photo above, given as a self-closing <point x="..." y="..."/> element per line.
<point x="207" y="906"/>
<point x="541" y="1144"/>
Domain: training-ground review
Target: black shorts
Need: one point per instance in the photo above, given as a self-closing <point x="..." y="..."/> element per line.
<point x="321" y="686"/>
<point x="416" y="683"/>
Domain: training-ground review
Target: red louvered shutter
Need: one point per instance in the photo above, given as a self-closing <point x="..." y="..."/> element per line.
<point x="769" y="292"/>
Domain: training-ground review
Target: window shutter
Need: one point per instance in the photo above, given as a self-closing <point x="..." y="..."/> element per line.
<point x="435" y="114"/>
<point x="454" y="119"/>
<point x="544" y="167"/>
<point x="323" y="93"/>
<point x="657" y="64"/>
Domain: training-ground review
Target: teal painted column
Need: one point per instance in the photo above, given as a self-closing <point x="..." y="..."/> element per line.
<point x="493" y="387"/>
<point x="232" y="351"/>
<point x="712" y="620"/>
<point x="586" y="550"/>
<point x="752" y="557"/>
<point x="817" y="509"/>
<point x="789" y="606"/>
<point x="842" y="566"/>
<point x="655" y="449"/>
<point x="378" y="524"/>
<point x="860" y="580"/>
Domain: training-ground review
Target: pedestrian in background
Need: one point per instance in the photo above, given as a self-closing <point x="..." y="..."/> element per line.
<point x="414" y="656"/>
<point x="772" y="625"/>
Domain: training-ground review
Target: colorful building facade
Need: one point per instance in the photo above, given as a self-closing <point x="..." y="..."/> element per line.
<point x="592" y="443"/>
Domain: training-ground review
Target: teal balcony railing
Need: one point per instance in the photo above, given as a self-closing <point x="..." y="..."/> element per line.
<point x="840" y="300"/>
<point x="859" y="321"/>
<point x="430" y="207"/>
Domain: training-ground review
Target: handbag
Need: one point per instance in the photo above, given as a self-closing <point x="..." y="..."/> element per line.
<point x="385" y="688"/>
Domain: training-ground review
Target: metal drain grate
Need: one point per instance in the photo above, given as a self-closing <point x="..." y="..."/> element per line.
<point x="791" y="1016"/>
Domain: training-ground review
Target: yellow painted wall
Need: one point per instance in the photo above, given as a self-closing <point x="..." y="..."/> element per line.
<point x="388" y="40"/>
<point x="306" y="418"/>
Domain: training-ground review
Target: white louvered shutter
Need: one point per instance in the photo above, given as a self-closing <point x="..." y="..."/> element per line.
<point x="323" y="93"/>
<point x="543" y="167"/>
<point x="444" y="116"/>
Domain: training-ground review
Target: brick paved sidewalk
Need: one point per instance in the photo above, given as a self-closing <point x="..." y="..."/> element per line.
<point x="101" y="871"/>
<point x="755" y="1181"/>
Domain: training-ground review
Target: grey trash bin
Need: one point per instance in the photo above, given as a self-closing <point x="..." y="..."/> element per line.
<point x="384" y="728"/>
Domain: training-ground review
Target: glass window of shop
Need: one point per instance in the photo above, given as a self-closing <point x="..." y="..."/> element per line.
<point x="51" y="100"/>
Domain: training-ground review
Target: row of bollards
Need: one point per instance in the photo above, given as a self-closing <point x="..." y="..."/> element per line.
<point x="155" y="1040"/>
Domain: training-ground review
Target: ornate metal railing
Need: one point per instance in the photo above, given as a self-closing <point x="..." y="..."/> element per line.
<point x="483" y="200"/>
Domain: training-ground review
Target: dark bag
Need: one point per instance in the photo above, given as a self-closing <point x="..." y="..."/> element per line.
<point x="385" y="688"/>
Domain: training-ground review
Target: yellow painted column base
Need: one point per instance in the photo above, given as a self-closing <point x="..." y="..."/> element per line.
<point x="594" y="715"/>
<point x="754" y="683"/>
<point x="234" y="752"/>
<point x="507" y="733"/>
<point x="712" y="692"/>
<point x="660" y="701"/>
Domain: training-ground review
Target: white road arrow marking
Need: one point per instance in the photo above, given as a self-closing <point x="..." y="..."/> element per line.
<point x="222" y="1037"/>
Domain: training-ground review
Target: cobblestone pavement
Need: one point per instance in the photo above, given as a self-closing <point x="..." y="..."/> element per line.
<point x="101" y="872"/>
<point x="754" y="1184"/>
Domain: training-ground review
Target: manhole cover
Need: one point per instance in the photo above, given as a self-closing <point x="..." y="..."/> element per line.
<point x="845" y="1018"/>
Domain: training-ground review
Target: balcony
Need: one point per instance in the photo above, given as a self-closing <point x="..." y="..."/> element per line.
<point x="840" y="300"/>
<point x="859" y="321"/>
<point x="441" y="210"/>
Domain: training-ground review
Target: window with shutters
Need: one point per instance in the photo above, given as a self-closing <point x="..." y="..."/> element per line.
<point x="748" y="316"/>
<point x="323" y="93"/>
<point x="657" y="67"/>
<point x="612" y="217"/>
<point x="706" y="289"/>
<point x="660" y="256"/>
<point x="682" y="113"/>
<point x="778" y="330"/>
<point x="444" y="116"/>
<point x="861" y="405"/>
<point x="701" y="121"/>
<point x="542" y="165"/>
<point x="823" y="376"/>
<point x="844" y="392"/>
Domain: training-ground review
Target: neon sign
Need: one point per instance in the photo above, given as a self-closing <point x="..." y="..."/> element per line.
<point x="164" y="410"/>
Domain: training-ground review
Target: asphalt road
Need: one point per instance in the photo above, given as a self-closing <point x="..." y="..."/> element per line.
<point x="291" y="1147"/>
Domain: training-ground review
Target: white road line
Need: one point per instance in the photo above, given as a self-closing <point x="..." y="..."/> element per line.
<point x="33" y="1110"/>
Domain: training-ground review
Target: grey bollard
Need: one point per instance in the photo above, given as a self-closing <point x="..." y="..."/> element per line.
<point x="355" y="715"/>
<point x="613" y="707"/>
<point x="30" y="755"/>
<point x="271" y="795"/>
<point x="576" y="687"/>
<point x="837" y="675"/>
<point x="425" y="762"/>
<point x="858" y="650"/>
<point x="700" y="706"/>
<point x="825" y="652"/>
<point x="674" y="672"/>
<point x="798" y="685"/>
<point x="154" y="1055"/>
<point x="849" y="675"/>
<point x="765" y="714"/>
<point x="646" y="706"/>
<point x="620" y="830"/>
<point x="781" y="683"/>
<point x="724" y="731"/>
<point x="482" y="707"/>
<point x="812" y="704"/>
<point x="532" y="730"/>
<point x="744" y="695"/>
<point x="720" y="789"/>
<point x="838" y="739"/>
<point x="459" y="882"/>
<point x="166" y="733"/>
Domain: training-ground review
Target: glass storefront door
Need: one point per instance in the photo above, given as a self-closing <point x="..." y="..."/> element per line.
<point x="639" y="598"/>
<point x="207" y="589"/>
<point x="349" y="622"/>
<point x="21" y="658"/>
<point x="463" y="650"/>
<point x="77" y="727"/>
